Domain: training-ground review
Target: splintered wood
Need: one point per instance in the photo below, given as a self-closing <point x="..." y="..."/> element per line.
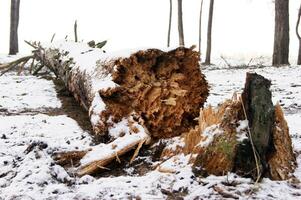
<point x="228" y="137"/>
<point x="165" y="88"/>
<point x="148" y="93"/>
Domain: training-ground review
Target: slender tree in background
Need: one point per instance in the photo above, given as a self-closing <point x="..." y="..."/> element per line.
<point x="180" y="23"/>
<point x="281" y="37"/>
<point x="169" y="23"/>
<point x="209" y="31"/>
<point x="299" y="37"/>
<point x="75" y="31"/>
<point x="200" y="27"/>
<point x="14" y="22"/>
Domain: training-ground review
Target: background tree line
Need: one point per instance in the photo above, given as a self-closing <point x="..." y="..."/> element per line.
<point x="281" y="31"/>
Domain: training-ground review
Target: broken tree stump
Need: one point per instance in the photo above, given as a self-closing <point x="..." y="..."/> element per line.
<point x="259" y="111"/>
<point x="251" y="138"/>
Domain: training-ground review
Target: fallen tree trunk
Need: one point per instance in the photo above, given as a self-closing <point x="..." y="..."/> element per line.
<point x="165" y="88"/>
<point x="130" y="97"/>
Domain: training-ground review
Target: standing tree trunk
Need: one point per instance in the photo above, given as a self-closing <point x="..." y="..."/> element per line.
<point x="75" y="31"/>
<point x="200" y="27"/>
<point x="299" y="37"/>
<point x="281" y="37"/>
<point x="209" y="31"/>
<point x="169" y="24"/>
<point x="14" y="22"/>
<point x="180" y="24"/>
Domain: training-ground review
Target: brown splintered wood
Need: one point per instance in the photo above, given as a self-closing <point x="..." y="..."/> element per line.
<point x="166" y="89"/>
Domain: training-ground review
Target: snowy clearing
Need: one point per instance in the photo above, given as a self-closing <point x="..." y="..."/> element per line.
<point x="28" y="139"/>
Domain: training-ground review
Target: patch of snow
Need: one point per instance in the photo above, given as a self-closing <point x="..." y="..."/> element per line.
<point x="103" y="151"/>
<point x="209" y="134"/>
<point x="174" y="143"/>
<point x="96" y="108"/>
<point x="119" y="128"/>
<point x="22" y="93"/>
<point x="58" y="132"/>
<point x="241" y="130"/>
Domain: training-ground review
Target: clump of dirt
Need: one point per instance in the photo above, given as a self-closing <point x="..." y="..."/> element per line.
<point x="166" y="89"/>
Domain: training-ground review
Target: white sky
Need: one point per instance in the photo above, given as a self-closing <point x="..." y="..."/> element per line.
<point x="240" y="27"/>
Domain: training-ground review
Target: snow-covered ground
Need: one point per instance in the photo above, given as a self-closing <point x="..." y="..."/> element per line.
<point x="28" y="139"/>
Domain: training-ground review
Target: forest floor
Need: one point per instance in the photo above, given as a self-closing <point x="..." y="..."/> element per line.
<point x="38" y="118"/>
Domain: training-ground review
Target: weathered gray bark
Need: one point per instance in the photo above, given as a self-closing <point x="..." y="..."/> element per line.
<point x="281" y="35"/>
<point x="180" y="23"/>
<point x="299" y="37"/>
<point x="200" y="27"/>
<point x="169" y="23"/>
<point x="209" y="33"/>
<point x="14" y="23"/>
<point x="257" y="99"/>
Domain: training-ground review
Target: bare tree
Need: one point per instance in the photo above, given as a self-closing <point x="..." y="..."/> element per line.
<point x="200" y="27"/>
<point x="14" y="23"/>
<point x="281" y="35"/>
<point x="169" y="24"/>
<point x="180" y="23"/>
<point x="209" y="33"/>
<point x="299" y="37"/>
<point x="75" y="31"/>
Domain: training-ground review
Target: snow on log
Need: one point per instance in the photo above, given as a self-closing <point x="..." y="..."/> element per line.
<point x="131" y="96"/>
<point x="165" y="88"/>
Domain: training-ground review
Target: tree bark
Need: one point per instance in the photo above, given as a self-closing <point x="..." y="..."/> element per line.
<point x="281" y="35"/>
<point x="200" y="28"/>
<point x="209" y="33"/>
<point x="169" y="23"/>
<point x="180" y="24"/>
<point x="14" y="23"/>
<point x="299" y="37"/>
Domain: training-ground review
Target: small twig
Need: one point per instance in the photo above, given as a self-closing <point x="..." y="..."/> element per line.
<point x="101" y="167"/>
<point x="255" y="153"/>
<point x="223" y="193"/>
<point x="31" y="66"/>
<point x="250" y="62"/>
<point x="31" y="44"/>
<point x="38" y="69"/>
<point x="22" y="67"/>
<point x="15" y="62"/>
<point x="224" y="59"/>
<point x="117" y="157"/>
<point x="9" y="66"/>
<point x="252" y="143"/>
<point x="137" y="150"/>
<point x="52" y="38"/>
